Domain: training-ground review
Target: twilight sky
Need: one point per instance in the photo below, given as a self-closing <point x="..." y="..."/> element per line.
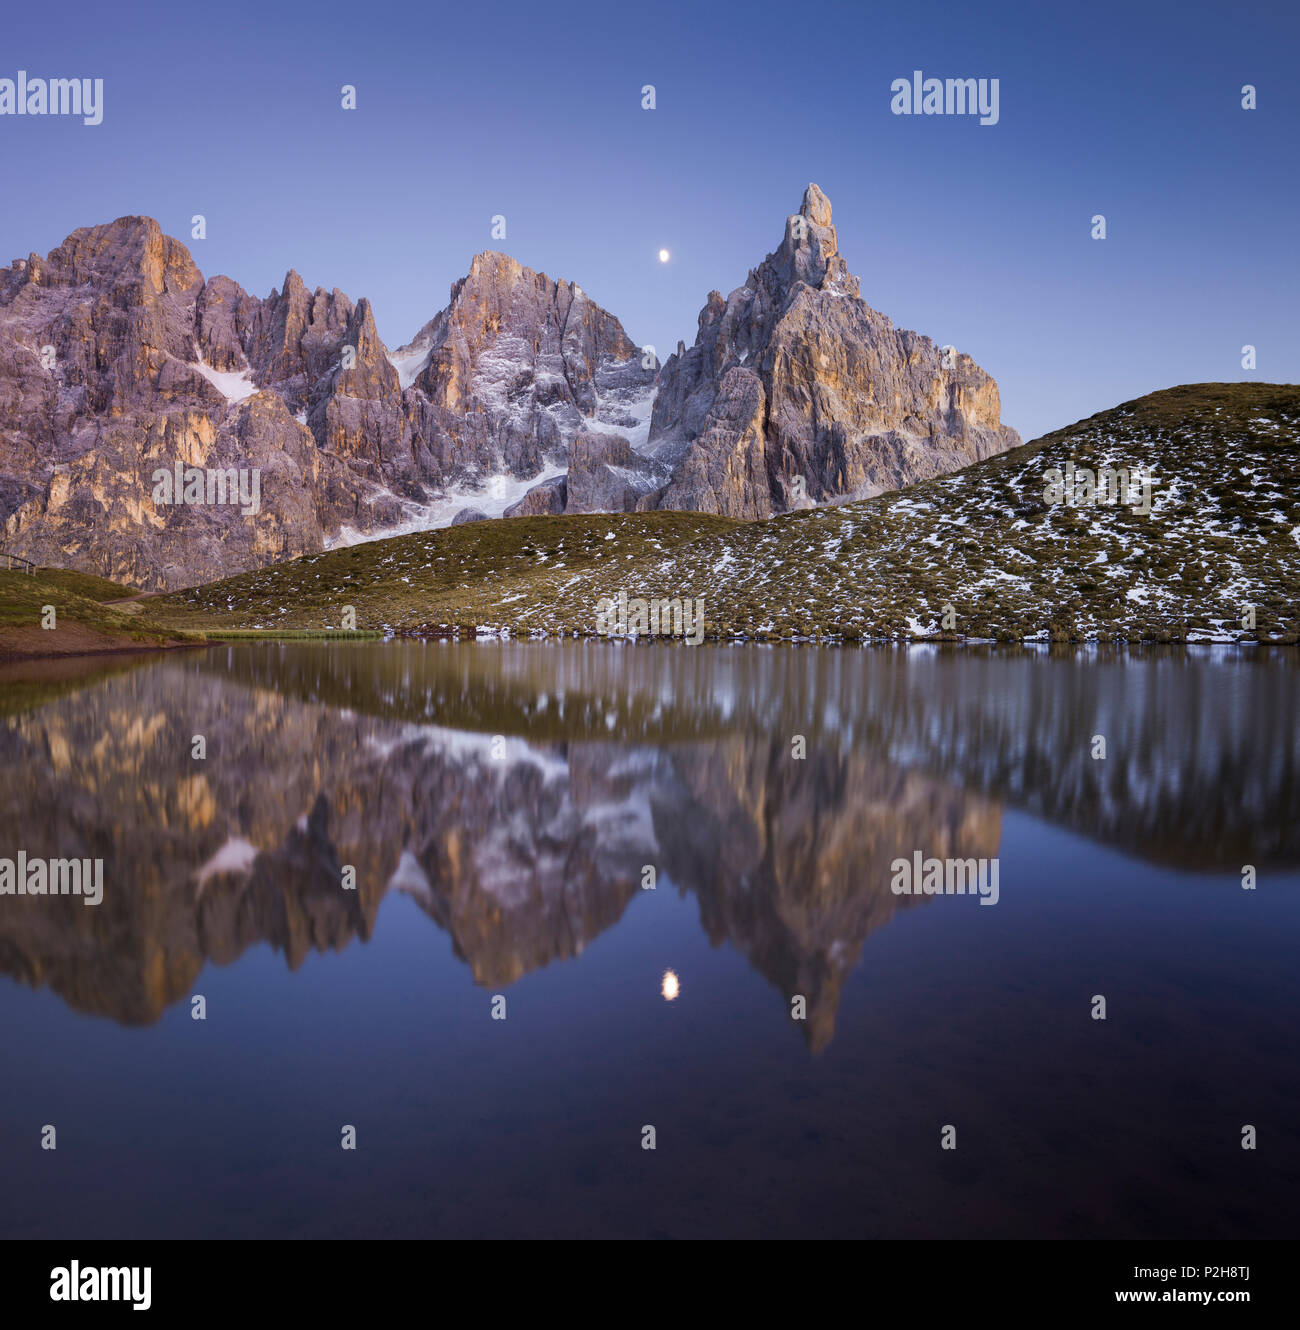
<point x="976" y="235"/>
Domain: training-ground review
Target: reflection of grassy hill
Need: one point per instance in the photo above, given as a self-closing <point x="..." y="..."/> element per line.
<point x="85" y="624"/>
<point x="1015" y="724"/>
<point x="28" y="684"/>
<point x="1222" y="536"/>
<point x="422" y="684"/>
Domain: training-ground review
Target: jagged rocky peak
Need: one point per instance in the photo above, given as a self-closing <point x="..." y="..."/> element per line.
<point x="131" y="252"/>
<point x="810" y="250"/>
<point x="116" y="304"/>
<point x="516" y="341"/>
<point x="517" y="365"/>
<point x="796" y="391"/>
<point x="117" y="360"/>
<point x="296" y="336"/>
<point x="816" y="207"/>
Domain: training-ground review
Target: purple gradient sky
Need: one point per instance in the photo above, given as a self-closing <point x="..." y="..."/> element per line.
<point x="976" y="235"/>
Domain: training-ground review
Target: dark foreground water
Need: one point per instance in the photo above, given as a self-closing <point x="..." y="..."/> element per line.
<point x="500" y="804"/>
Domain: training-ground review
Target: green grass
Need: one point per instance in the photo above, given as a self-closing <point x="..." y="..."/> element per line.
<point x="24" y="596"/>
<point x="455" y="577"/>
<point x="86" y="585"/>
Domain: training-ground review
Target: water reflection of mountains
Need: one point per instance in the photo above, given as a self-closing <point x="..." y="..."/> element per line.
<point x="384" y="757"/>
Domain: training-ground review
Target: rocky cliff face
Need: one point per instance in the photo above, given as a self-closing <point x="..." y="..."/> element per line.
<point x="516" y="364"/>
<point x="119" y="361"/>
<point x="797" y="392"/>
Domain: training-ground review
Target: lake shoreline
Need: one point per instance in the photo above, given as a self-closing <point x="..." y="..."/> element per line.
<point x="20" y="644"/>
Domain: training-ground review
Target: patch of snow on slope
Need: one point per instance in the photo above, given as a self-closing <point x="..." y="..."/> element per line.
<point x="637" y="480"/>
<point x="492" y="497"/>
<point x="233" y="385"/>
<point x="634" y="406"/>
<point x="410" y="362"/>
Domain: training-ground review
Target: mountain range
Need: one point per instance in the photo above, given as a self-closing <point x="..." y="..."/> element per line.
<point x="119" y="361"/>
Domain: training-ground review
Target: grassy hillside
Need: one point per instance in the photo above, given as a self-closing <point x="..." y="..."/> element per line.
<point x="483" y="573"/>
<point x="86" y="585"/>
<point x="84" y="624"/>
<point x="1223" y="534"/>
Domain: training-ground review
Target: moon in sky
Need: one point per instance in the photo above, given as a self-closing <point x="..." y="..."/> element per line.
<point x="663" y="256"/>
<point x="670" y="987"/>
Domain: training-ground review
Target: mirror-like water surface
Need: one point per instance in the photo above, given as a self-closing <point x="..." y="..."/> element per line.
<point x="501" y="808"/>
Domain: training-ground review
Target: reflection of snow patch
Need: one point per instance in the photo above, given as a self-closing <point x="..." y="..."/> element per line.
<point x="411" y="878"/>
<point x="235" y="856"/>
<point x="470" y="747"/>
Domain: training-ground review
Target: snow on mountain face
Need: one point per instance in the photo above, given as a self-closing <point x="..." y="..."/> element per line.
<point x="489" y="497"/>
<point x="610" y="469"/>
<point x="624" y="411"/>
<point x="521" y="396"/>
<point x="410" y="362"/>
<point x="622" y="414"/>
<point x="233" y="385"/>
<point x="150" y="362"/>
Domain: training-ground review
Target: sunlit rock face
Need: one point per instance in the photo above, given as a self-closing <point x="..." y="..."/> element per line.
<point x="117" y="360"/>
<point x="797" y="391"/>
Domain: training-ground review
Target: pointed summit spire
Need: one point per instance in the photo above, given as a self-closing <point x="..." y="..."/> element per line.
<point x="797" y="391"/>
<point x="816" y="207"/>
